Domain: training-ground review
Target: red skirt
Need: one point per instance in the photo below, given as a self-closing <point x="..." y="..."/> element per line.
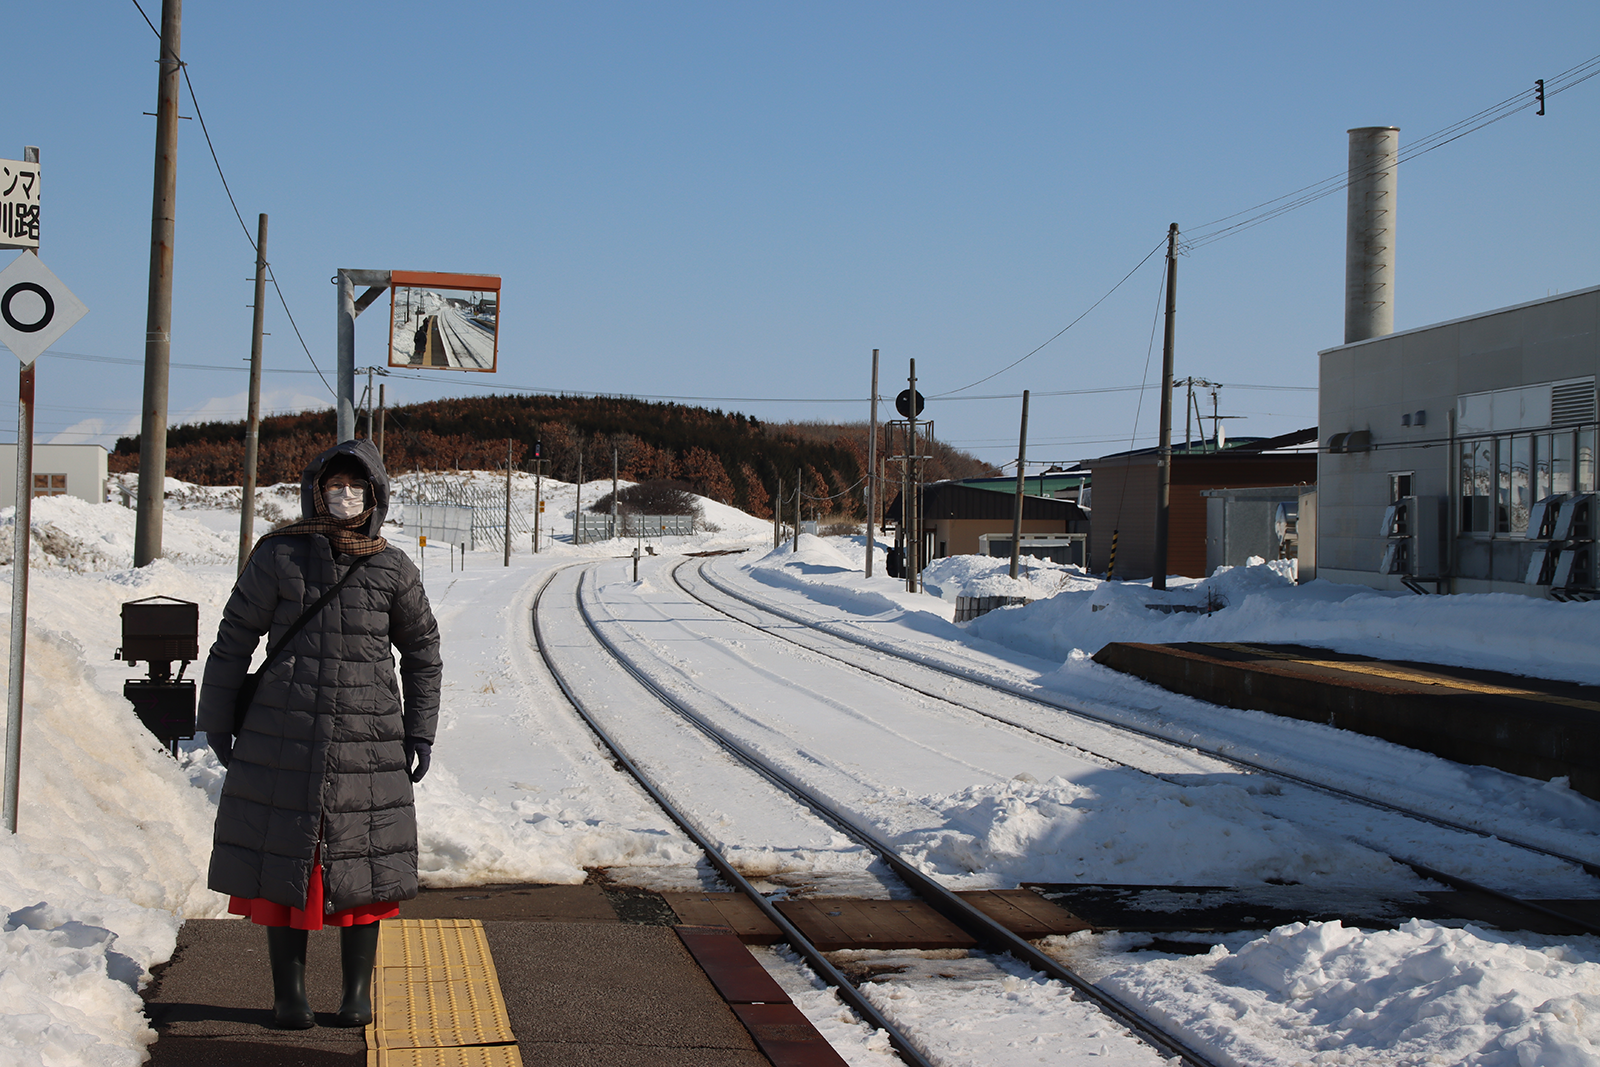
<point x="311" y="917"/>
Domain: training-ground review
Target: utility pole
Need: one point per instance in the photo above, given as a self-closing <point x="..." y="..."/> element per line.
<point x="538" y="491"/>
<point x="914" y="541"/>
<point x="797" y="483"/>
<point x="158" y="313"/>
<point x="1164" y="457"/>
<point x="777" y="517"/>
<point x="614" y="531"/>
<point x="370" y="399"/>
<point x="508" y="507"/>
<point x="577" y="506"/>
<point x="252" y="427"/>
<point x="872" y="459"/>
<point x="1016" y="518"/>
<point x="378" y="439"/>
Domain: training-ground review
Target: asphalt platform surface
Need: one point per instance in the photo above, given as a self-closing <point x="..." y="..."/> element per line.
<point x="581" y="988"/>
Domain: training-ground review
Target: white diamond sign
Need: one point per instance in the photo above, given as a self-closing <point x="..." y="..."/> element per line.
<point x="35" y="308"/>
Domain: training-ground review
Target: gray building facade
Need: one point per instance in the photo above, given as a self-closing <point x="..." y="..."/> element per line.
<point x="1453" y="455"/>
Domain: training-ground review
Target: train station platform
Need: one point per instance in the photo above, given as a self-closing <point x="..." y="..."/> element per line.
<point x="490" y="977"/>
<point x="1527" y="726"/>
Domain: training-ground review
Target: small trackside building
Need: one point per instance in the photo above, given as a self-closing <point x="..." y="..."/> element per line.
<point x="58" y="470"/>
<point x="962" y="519"/>
<point x="1124" y="491"/>
<point x="1460" y="457"/>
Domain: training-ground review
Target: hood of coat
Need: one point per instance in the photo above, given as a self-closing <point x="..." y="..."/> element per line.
<point x="363" y="452"/>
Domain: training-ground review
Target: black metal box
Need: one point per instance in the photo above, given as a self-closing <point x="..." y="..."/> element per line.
<point x="160" y="629"/>
<point x="165" y="708"/>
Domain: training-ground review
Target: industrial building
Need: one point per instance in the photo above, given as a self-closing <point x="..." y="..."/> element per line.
<point x="1460" y="457"/>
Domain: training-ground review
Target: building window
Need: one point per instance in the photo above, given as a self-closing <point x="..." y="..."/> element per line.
<point x="1503" y="477"/>
<point x="1585" y="461"/>
<point x="49" y="485"/>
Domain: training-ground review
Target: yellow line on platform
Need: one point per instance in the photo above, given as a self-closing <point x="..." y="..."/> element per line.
<point x="436" y="998"/>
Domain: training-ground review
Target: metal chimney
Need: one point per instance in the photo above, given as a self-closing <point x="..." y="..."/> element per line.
<point x="1369" y="233"/>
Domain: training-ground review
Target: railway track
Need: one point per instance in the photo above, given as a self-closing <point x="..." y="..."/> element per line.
<point x="988" y="933"/>
<point x="827" y="643"/>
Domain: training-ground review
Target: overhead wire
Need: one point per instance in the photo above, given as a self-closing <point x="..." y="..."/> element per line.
<point x="200" y="116"/>
<point x="1149" y="352"/>
<point x="1061" y="331"/>
<point x="1198" y="238"/>
<point x="1204" y="234"/>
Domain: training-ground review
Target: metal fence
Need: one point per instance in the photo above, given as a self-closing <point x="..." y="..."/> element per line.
<point x="970" y="607"/>
<point x="487" y="504"/>
<point x="593" y="527"/>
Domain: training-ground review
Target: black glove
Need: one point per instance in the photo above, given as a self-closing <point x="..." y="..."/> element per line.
<point x="423" y="753"/>
<point x="222" y="745"/>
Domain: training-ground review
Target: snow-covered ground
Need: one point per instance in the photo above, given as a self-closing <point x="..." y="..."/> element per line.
<point x="114" y="835"/>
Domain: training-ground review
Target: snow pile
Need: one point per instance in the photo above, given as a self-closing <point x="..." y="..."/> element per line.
<point x="80" y="536"/>
<point x="112" y="838"/>
<point x="1036" y="579"/>
<point x="69" y="996"/>
<point x="1499" y="631"/>
<point x="1123" y="829"/>
<point x="1421" y="994"/>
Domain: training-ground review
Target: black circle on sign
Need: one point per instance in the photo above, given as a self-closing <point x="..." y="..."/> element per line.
<point x="902" y="403"/>
<point x="27" y="287"/>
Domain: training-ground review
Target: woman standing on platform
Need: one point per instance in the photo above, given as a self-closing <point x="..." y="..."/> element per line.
<point x="316" y="825"/>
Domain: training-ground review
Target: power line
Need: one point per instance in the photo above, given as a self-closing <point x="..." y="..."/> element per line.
<point x="236" y="213"/>
<point x="1203" y="235"/>
<point x="1058" y="333"/>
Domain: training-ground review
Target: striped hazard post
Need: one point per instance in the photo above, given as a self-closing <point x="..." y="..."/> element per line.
<point x="1111" y="564"/>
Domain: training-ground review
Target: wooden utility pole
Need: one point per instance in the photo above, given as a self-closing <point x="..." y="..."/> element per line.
<point x="508" y="508"/>
<point x="1016" y="518"/>
<point x="158" y="313"/>
<point x="615" y="532"/>
<point x="378" y="438"/>
<point x="797" y="483"/>
<point x="777" y="516"/>
<point x="872" y="459"/>
<point x="538" y="492"/>
<point x="252" y="426"/>
<point x="1164" y="456"/>
<point x="577" y="506"/>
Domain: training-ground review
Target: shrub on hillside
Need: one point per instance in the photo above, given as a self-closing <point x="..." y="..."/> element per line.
<point x="662" y="496"/>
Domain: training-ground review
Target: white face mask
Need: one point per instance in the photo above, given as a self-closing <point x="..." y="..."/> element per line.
<point x="344" y="502"/>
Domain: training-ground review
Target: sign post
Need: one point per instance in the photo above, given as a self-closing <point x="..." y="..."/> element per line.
<point x="35" y="310"/>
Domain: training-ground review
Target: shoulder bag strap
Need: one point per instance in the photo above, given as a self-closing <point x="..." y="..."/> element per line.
<point x="322" y="601"/>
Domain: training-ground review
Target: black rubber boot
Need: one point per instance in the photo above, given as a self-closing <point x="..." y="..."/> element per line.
<point x="286" y="949"/>
<point x="358" y="951"/>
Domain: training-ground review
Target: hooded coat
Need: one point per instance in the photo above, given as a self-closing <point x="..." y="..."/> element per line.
<point x="321" y="755"/>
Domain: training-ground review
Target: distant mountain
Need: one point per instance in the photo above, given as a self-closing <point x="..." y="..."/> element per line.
<point x="728" y="457"/>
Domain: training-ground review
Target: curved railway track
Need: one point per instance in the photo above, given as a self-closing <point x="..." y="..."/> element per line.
<point x="989" y="934"/>
<point x="1059" y="704"/>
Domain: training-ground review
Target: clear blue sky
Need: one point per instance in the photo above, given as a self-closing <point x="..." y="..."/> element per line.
<point x="741" y="201"/>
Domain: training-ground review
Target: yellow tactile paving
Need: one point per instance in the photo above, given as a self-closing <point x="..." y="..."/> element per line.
<point x="490" y="1056"/>
<point x="436" y="998"/>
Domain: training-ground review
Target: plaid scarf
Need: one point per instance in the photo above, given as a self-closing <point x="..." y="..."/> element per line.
<point x="344" y="534"/>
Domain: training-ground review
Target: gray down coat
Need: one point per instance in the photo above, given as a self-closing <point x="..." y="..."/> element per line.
<point x="321" y="754"/>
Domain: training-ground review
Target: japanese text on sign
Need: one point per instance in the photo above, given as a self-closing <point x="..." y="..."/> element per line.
<point x="19" y="204"/>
